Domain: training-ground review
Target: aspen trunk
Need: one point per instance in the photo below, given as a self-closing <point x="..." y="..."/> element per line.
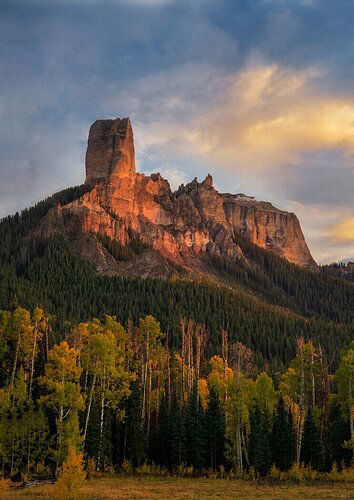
<point x="32" y="363"/>
<point x="46" y="342"/>
<point x="149" y="400"/>
<point x="168" y="379"/>
<point x="225" y="356"/>
<point x="101" y="430"/>
<point x="12" y="380"/>
<point x="239" y="449"/>
<point x="198" y="354"/>
<point x="300" y="418"/>
<point x="183" y="357"/>
<point x="89" y="407"/>
<point x="245" y="448"/>
<point x="143" y="409"/>
<point x="59" y="438"/>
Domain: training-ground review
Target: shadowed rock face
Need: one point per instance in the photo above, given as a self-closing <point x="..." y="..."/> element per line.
<point x="183" y="226"/>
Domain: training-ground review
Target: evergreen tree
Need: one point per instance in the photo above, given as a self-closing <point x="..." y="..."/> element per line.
<point x="162" y="445"/>
<point x="338" y="434"/>
<point x="260" y="447"/>
<point x="177" y="435"/>
<point x="194" y="424"/>
<point x="135" y="439"/>
<point x="311" y="450"/>
<point x="214" y="432"/>
<point x="283" y="438"/>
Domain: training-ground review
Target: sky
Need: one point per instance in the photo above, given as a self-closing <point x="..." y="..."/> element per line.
<point x="259" y="93"/>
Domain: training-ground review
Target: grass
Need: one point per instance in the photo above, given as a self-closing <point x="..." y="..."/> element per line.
<point x="173" y="488"/>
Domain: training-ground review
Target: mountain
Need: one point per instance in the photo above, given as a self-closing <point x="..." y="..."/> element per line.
<point x="186" y="227"/>
<point x="124" y="244"/>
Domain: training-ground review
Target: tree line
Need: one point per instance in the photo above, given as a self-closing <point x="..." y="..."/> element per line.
<point x="124" y="397"/>
<point x="48" y="272"/>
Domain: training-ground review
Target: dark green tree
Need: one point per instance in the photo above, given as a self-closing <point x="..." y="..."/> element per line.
<point x="177" y="435"/>
<point x="194" y="430"/>
<point x="282" y="438"/>
<point x="214" y="432"/>
<point x="135" y="435"/>
<point x="338" y="433"/>
<point x="260" y="442"/>
<point x="312" y="448"/>
<point x="162" y="440"/>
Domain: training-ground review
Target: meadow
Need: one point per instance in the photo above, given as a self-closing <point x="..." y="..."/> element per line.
<point x="183" y="488"/>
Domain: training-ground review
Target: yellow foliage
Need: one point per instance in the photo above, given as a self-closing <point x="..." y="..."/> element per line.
<point x="4" y="486"/>
<point x="203" y="391"/>
<point x="276" y="475"/>
<point x="300" y="473"/>
<point x="343" y="476"/>
<point x="71" y="477"/>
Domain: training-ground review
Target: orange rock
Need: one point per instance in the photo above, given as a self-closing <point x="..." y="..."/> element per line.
<point x="184" y="226"/>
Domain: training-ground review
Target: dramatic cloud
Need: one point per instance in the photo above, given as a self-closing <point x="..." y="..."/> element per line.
<point x="257" y="93"/>
<point x="270" y="116"/>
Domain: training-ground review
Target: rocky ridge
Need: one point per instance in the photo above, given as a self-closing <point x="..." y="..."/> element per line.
<point x="183" y="227"/>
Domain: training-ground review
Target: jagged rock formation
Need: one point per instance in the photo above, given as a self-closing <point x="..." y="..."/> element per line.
<point x="184" y="226"/>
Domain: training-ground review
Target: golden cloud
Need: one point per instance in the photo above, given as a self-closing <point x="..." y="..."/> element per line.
<point x="269" y="116"/>
<point x="345" y="230"/>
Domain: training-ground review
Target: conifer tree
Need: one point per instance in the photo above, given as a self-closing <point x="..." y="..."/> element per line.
<point x="338" y="435"/>
<point x="214" y="432"/>
<point x="311" y="451"/>
<point x="135" y="439"/>
<point x="260" y="447"/>
<point x="283" y="438"/>
<point x="177" y="435"/>
<point x="163" y="435"/>
<point x="194" y="427"/>
<point x="345" y="380"/>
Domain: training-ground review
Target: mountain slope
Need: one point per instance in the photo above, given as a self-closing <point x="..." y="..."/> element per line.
<point x="264" y="301"/>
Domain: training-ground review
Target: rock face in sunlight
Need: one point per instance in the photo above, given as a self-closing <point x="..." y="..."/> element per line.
<point x="185" y="226"/>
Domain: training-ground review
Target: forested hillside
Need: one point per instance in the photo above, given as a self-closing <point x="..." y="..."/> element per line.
<point x="273" y="302"/>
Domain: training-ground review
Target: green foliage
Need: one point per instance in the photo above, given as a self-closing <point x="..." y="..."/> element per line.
<point x="214" y="432"/>
<point x="283" y="438"/>
<point x="194" y="430"/>
<point x="260" y="442"/>
<point x="177" y="435"/>
<point x="338" y="434"/>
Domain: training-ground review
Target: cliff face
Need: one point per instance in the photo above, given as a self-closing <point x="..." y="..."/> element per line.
<point x="184" y="226"/>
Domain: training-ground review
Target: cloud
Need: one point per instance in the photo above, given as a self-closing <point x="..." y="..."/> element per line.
<point x="260" y="117"/>
<point x="272" y="115"/>
<point x="345" y="230"/>
<point x="324" y="229"/>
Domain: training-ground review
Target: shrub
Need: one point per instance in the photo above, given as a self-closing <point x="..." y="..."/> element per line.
<point x="276" y="475"/>
<point x="4" y="486"/>
<point x="71" y="477"/>
<point x="343" y="476"/>
<point x="127" y="468"/>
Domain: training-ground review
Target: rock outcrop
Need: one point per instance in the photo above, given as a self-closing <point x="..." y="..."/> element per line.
<point x="184" y="226"/>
